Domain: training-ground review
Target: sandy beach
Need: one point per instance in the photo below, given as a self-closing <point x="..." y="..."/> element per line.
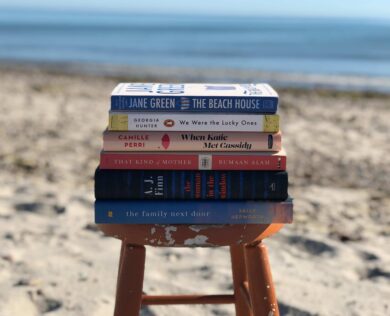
<point x="333" y="260"/>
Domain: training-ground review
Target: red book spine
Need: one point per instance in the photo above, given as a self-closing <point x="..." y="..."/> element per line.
<point x="120" y="160"/>
<point x="113" y="160"/>
<point x="246" y="162"/>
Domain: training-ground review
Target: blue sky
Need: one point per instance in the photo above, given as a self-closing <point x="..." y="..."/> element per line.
<point x="312" y="8"/>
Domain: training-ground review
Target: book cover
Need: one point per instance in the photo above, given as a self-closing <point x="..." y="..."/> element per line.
<point x="194" y="161"/>
<point x="187" y="185"/>
<point x="191" y="141"/>
<point x="194" y="97"/>
<point x="192" y="212"/>
<point x="144" y="121"/>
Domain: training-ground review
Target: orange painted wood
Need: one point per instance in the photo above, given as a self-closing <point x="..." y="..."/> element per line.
<point x="123" y="249"/>
<point x="186" y="299"/>
<point x="190" y="235"/>
<point x="242" y="304"/>
<point x="254" y="293"/>
<point x="261" y="287"/>
<point x="130" y="280"/>
<point x="245" y="292"/>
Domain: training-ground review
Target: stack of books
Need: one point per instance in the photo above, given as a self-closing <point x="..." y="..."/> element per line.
<point x="192" y="154"/>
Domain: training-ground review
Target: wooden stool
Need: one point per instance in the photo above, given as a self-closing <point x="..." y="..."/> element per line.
<point x="254" y="293"/>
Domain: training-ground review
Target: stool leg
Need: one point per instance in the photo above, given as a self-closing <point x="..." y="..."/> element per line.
<point x="123" y="250"/>
<point x="130" y="280"/>
<point x="261" y="287"/>
<point x="242" y="302"/>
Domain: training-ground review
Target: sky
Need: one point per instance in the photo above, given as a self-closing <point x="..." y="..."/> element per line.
<point x="311" y="8"/>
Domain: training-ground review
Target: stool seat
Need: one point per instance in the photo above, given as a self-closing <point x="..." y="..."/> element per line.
<point x="190" y="235"/>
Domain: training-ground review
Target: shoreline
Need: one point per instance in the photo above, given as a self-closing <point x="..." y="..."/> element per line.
<point x="299" y="81"/>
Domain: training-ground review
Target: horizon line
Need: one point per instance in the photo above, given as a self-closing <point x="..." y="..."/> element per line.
<point x="196" y="14"/>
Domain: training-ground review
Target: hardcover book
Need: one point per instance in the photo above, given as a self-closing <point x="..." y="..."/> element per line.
<point x="192" y="212"/>
<point x="194" y="161"/>
<point x="120" y="121"/>
<point x="194" y="97"/>
<point x="191" y="141"/>
<point x="187" y="185"/>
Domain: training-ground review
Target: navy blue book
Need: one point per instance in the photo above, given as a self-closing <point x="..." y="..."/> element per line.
<point x="195" y="97"/>
<point x="192" y="212"/>
<point x="188" y="184"/>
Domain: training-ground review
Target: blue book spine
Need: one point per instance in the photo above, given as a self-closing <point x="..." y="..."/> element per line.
<point x="191" y="184"/>
<point x="263" y="105"/>
<point x="192" y="212"/>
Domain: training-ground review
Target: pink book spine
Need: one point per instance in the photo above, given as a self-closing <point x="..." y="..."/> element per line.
<point x="191" y="141"/>
<point x="191" y="161"/>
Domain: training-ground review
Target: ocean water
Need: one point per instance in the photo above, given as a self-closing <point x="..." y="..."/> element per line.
<point x="288" y="45"/>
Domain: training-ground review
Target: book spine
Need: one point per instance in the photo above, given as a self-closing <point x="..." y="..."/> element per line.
<point x="191" y="141"/>
<point x="119" y="121"/>
<point x="144" y="161"/>
<point x="192" y="212"/>
<point x="243" y="162"/>
<point x="266" y="105"/>
<point x="185" y="185"/>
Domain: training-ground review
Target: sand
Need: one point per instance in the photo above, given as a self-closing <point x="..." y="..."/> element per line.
<point x="333" y="260"/>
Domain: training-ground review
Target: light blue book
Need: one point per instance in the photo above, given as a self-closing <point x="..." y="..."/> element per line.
<point x="192" y="212"/>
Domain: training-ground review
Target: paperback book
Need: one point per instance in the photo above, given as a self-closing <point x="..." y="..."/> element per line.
<point x="144" y="121"/>
<point x="191" y="141"/>
<point x="194" y="97"/>
<point x="192" y="212"/>
<point x="194" y="161"/>
<point x="187" y="185"/>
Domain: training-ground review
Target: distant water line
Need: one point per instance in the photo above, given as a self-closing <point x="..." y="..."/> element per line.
<point x="289" y="45"/>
